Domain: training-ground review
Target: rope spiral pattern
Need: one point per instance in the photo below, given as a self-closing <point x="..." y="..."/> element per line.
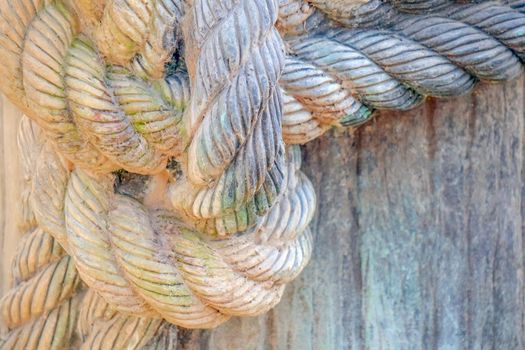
<point x="235" y="163"/>
<point x="41" y="309"/>
<point x="101" y="327"/>
<point x="390" y="55"/>
<point x="204" y="99"/>
<point x="170" y="271"/>
<point x="77" y="100"/>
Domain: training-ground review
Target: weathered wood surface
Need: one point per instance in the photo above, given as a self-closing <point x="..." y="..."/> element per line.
<point x="419" y="235"/>
<point x="10" y="188"/>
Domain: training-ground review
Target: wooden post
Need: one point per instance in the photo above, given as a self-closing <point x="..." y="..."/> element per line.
<point x="419" y="234"/>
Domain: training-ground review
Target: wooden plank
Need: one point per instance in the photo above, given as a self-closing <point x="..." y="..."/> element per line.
<point x="10" y="187"/>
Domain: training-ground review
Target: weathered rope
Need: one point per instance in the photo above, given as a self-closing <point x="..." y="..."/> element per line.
<point x="106" y="81"/>
<point x="452" y="42"/>
<point x="235" y="164"/>
<point x="102" y="328"/>
<point x="142" y="263"/>
<point x="40" y="310"/>
<point x="77" y="100"/>
<point x="406" y="51"/>
<point x="282" y="252"/>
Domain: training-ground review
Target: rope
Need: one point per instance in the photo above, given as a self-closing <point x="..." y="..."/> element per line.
<point x="40" y="310"/>
<point x="101" y="327"/>
<point x="145" y="264"/>
<point x="235" y="159"/>
<point x="68" y="90"/>
<point x="392" y="55"/>
<point x="107" y="83"/>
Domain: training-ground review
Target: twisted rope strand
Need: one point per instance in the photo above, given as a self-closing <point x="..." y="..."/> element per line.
<point x="66" y="86"/>
<point x="111" y="103"/>
<point x="40" y="310"/>
<point x="235" y="113"/>
<point x="408" y="61"/>
<point x="147" y="263"/>
<point x="53" y="28"/>
<point x="97" y="328"/>
<point x="502" y="22"/>
<point x="161" y="40"/>
<point x="299" y="125"/>
<point x="321" y="94"/>
<point x="97" y="113"/>
<point x="426" y="52"/>
<point x="468" y="47"/>
<point x="358" y="73"/>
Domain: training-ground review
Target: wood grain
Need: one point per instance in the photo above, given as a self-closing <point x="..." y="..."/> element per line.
<point x="10" y="188"/>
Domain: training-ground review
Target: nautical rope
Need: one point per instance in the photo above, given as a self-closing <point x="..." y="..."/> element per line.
<point x="76" y="99"/>
<point x="462" y="44"/>
<point x="40" y="310"/>
<point x="101" y="327"/>
<point x="144" y="263"/>
<point x="400" y="52"/>
<point x="254" y="266"/>
<point x="107" y="82"/>
<point x="235" y="163"/>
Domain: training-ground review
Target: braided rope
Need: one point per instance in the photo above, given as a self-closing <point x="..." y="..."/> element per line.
<point x="299" y="125"/>
<point x="409" y="50"/>
<point x="321" y="94"/>
<point x="101" y="327"/>
<point x="468" y="47"/>
<point x="40" y="310"/>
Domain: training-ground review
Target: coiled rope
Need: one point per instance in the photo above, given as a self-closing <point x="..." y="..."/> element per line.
<point x="235" y="163"/>
<point x="94" y="121"/>
<point x="101" y="327"/>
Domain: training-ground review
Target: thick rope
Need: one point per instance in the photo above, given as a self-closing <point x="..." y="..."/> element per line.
<point x="102" y="328"/>
<point x="102" y="79"/>
<point x="40" y="310"/>
<point x="406" y="51"/>
<point x="171" y="272"/>
<point x="72" y="95"/>
<point x="450" y="42"/>
<point x="235" y="159"/>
